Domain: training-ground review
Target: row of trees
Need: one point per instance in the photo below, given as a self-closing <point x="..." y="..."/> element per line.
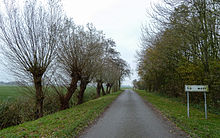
<point x="46" y="49"/>
<point x="182" y="48"/>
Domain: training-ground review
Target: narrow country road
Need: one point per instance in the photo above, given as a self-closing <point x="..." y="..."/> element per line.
<point x="130" y="117"/>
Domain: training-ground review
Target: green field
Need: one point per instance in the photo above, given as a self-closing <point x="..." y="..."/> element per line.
<point x="196" y="125"/>
<point x="10" y="92"/>
<point x="67" y="123"/>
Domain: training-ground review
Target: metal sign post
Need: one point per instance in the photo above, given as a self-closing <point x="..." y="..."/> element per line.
<point x="205" y="105"/>
<point x="188" y="104"/>
<point x="196" y="88"/>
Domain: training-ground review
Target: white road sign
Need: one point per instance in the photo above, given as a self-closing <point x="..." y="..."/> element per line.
<point x="196" y="88"/>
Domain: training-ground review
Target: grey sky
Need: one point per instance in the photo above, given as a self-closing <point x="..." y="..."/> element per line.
<point x="119" y="19"/>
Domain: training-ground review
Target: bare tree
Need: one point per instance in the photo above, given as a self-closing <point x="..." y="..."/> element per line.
<point x="92" y="58"/>
<point x="108" y="71"/>
<point x="69" y="60"/>
<point x="112" y="75"/>
<point x="115" y="68"/>
<point x="28" y="37"/>
<point x="101" y="76"/>
<point x="124" y="71"/>
<point x="134" y="82"/>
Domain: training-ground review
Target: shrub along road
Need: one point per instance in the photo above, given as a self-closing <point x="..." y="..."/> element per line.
<point x="129" y="116"/>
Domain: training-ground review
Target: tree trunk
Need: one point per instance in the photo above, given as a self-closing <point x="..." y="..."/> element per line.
<point x="65" y="100"/>
<point x="103" y="90"/>
<point x="107" y="88"/>
<point x="115" y="87"/>
<point x="119" y="84"/>
<point x="83" y="85"/>
<point x="64" y="104"/>
<point x="110" y="87"/>
<point x="98" y="88"/>
<point x="39" y="96"/>
<point x="150" y="88"/>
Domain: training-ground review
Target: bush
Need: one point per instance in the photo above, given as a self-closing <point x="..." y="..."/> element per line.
<point x="15" y="112"/>
<point x="22" y="109"/>
<point x="51" y="103"/>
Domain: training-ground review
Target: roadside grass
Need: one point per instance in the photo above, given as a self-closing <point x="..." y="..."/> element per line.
<point x="67" y="123"/>
<point x="196" y="125"/>
<point x="199" y="106"/>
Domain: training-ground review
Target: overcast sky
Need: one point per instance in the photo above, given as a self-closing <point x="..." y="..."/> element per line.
<point x="119" y="19"/>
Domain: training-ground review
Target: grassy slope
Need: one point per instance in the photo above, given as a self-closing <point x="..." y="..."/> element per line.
<point x="196" y="125"/>
<point x="67" y="123"/>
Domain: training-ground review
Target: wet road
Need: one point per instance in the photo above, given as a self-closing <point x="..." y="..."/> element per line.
<point x="130" y="117"/>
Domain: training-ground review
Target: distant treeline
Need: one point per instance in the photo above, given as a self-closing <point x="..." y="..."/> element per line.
<point x="182" y="47"/>
<point x="9" y="83"/>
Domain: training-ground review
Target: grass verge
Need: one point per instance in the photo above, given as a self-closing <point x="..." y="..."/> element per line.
<point x="196" y="125"/>
<point x="67" y="123"/>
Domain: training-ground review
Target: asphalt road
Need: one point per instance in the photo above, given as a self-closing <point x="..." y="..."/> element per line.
<point x="130" y="117"/>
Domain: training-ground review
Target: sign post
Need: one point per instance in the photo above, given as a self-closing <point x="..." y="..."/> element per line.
<point x="196" y="88"/>
<point x="188" y="104"/>
<point x="205" y="105"/>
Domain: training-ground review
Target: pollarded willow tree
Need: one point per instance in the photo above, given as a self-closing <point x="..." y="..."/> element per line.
<point x="124" y="70"/>
<point x="84" y="56"/>
<point x="104" y="72"/>
<point x="28" y="34"/>
<point x="69" y="60"/>
<point x="79" y="57"/>
<point x="92" y="57"/>
<point x="116" y="70"/>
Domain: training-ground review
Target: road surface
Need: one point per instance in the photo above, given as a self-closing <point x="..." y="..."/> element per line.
<point x="130" y="117"/>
